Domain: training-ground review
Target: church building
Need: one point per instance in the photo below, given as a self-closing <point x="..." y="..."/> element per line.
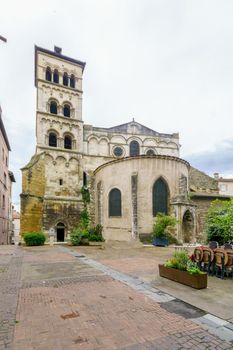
<point x="131" y="171"/>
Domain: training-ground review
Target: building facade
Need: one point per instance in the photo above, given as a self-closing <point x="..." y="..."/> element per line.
<point x="6" y="179"/>
<point x="132" y="171"/>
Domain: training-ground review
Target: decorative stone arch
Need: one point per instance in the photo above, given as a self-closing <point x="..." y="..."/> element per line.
<point x="61" y="230"/>
<point x="52" y="138"/>
<point x="69" y="135"/>
<point x="172" y="145"/>
<point x="49" y="157"/>
<point x="92" y="137"/>
<point x="103" y="146"/>
<point x="160" y="196"/>
<point x="48" y="106"/>
<point x="67" y="109"/>
<point x="92" y="142"/>
<point x="134" y="138"/>
<point x="103" y="138"/>
<point x="65" y="79"/>
<point x="72" y="81"/>
<point x="56" y="76"/>
<point x="188" y="226"/>
<point x="61" y="157"/>
<point x="119" y="137"/>
<point x="150" y="151"/>
<point x="48" y="73"/>
<point x="135" y="146"/>
<point x="152" y="142"/>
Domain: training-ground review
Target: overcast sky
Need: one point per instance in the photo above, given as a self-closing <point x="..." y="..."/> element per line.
<point x="167" y="63"/>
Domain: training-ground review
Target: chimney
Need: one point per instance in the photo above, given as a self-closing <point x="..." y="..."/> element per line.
<point x="216" y="176"/>
<point x="58" y="50"/>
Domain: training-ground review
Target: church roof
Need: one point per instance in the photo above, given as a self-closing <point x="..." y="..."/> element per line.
<point x="201" y="182"/>
<point x="134" y="127"/>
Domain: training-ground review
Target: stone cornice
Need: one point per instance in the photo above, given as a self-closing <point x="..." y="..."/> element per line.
<point x="157" y="156"/>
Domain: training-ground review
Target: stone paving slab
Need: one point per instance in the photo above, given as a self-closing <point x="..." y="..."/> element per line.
<point x="90" y="309"/>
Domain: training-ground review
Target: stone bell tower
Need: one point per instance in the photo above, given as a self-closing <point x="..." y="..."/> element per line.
<point x="52" y="180"/>
<point x="58" y="80"/>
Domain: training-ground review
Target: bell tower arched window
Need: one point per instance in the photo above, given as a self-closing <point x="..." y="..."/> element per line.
<point x="52" y="139"/>
<point x="160" y="197"/>
<point x="114" y="200"/>
<point x="72" y="81"/>
<point x="134" y="149"/>
<point x="53" y="107"/>
<point x="67" y="142"/>
<point x="48" y="74"/>
<point x="56" y="76"/>
<point x="66" y="110"/>
<point x="65" y="79"/>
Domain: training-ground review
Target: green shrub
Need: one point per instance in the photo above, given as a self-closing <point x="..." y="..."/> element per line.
<point x="76" y="235"/>
<point x="219" y="222"/>
<point x="95" y="234"/>
<point x="34" y="238"/>
<point x="85" y="195"/>
<point x="181" y="261"/>
<point x="160" y="228"/>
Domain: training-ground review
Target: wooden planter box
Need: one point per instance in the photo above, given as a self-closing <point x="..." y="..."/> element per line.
<point x="194" y="281"/>
<point x="98" y="244"/>
<point x="160" y="242"/>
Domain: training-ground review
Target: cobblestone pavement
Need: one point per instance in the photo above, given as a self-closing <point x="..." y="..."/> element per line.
<point x="64" y="303"/>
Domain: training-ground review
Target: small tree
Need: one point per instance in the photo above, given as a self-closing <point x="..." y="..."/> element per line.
<point x="219" y="221"/>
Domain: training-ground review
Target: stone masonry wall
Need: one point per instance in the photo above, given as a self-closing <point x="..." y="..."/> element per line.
<point x="33" y="187"/>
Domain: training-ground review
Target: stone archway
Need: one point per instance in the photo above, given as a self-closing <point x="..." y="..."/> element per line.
<point x="188" y="227"/>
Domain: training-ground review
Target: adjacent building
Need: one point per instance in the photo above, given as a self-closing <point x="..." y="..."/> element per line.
<point x="6" y="180"/>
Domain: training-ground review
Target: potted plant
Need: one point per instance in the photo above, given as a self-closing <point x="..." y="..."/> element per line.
<point x="160" y="235"/>
<point x="180" y="268"/>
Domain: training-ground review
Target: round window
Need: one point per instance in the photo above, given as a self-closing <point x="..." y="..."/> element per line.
<point x="150" y="152"/>
<point x="118" y="151"/>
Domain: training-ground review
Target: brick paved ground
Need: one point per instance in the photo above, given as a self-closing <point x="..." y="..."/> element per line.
<point x="10" y="270"/>
<point x="142" y="262"/>
<point x="65" y="304"/>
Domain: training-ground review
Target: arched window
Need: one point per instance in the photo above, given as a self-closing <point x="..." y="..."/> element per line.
<point x="67" y="142"/>
<point x="134" y="149"/>
<point x="160" y="197"/>
<point x="52" y="139"/>
<point x="56" y="76"/>
<point x="66" y="110"/>
<point x="150" y="152"/>
<point x="72" y="81"/>
<point x="65" y="79"/>
<point x="53" y="107"/>
<point x="48" y="74"/>
<point x="114" y="206"/>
